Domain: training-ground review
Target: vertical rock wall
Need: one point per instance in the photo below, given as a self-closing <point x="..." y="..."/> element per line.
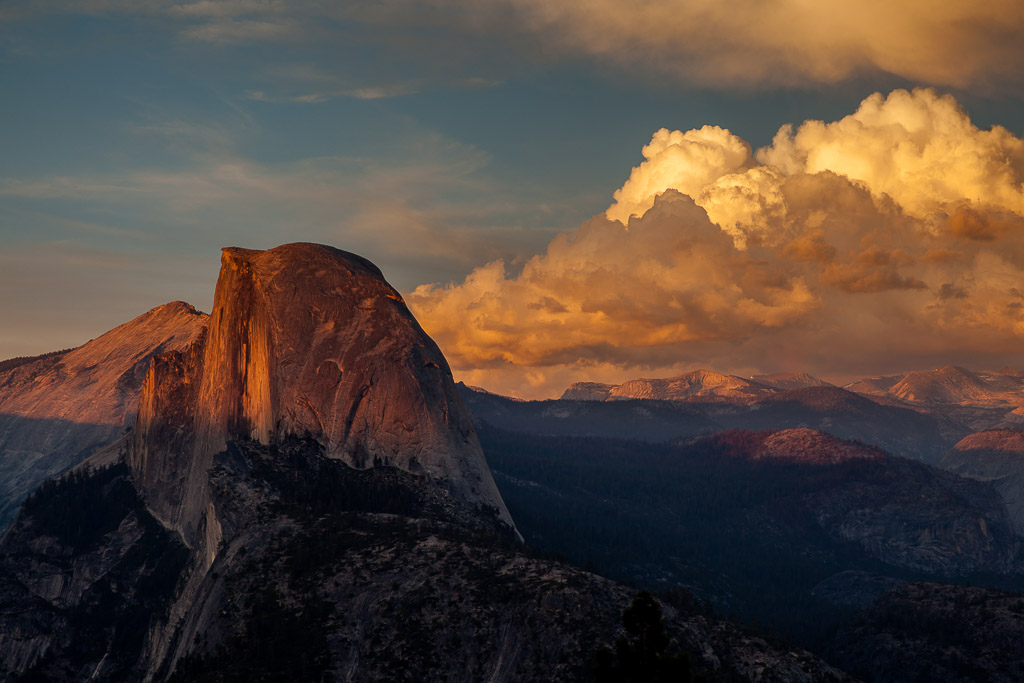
<point x="305" y="339"/>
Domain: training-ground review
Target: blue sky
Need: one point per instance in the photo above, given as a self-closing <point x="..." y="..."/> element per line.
<point x="432" y="137"/>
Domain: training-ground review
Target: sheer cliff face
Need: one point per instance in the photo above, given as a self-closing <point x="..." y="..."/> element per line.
<point x="57" y="409"/>
<point x="304" y="339"/>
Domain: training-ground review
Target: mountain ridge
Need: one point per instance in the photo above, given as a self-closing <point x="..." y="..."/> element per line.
<point x="58" y="408"/>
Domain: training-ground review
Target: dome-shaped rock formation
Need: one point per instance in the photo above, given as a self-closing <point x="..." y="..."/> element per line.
<point x="304" y="340"/>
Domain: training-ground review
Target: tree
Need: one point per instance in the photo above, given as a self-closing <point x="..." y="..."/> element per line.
<point x="642" y="655"/>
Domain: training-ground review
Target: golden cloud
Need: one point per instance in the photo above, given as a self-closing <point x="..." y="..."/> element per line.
<point x="823" y="252"/>
<point x="757" y="42"/>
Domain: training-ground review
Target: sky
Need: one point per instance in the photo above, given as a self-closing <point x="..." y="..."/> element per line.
<point x="562" y="190"/>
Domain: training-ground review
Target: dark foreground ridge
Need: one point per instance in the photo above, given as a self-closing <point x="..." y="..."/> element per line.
<point x="325" y="573"/>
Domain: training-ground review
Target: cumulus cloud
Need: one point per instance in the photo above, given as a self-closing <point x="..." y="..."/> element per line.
<point x="888" y="239"/>
<point x="919" y="147"/>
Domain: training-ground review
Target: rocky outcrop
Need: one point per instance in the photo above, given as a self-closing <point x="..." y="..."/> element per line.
<point x="58" y="409"/>
<point x="304" y="339"/>
<point x="587" y="391"/>
<point x="997" y="457"/>
<point x="700" y="384"/>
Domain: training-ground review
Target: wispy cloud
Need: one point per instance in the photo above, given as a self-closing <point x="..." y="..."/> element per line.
<point x="749" y="43"/>
<point x="434" y="201"/>
<point x="378" y="92"/>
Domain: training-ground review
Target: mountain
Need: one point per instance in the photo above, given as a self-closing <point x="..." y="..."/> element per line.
<point x="699" y="384"/>
<point x="624" y="419"/>
<point x="303" y="339"/>
<point x="57" y="409"/>
<point x="733" y="513"/>
<point x="789" y="380"/>
<point x="996" y="457"/>
<point x="955" y="385"/>
<point x="587" y="391"/>
<point x="935" y="632"/>
<point x="894" y="426"/>
<point x="897" y="428"/>
<point x="324" y="572"/>
<point x="874" y="386"/>
<point x="303" y="497"/>
<point x="978" y="399"/>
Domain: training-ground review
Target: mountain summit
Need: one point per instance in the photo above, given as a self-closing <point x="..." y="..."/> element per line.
<point x="59" y="408"/>
<point x="304" y="340"/>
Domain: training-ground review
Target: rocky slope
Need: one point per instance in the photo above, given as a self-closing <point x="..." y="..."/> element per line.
<point x="732" y="513"/>
<point x="303" y="339"/>
<point x="936" y="632"/>
<point x="997" y="457"/>
<point x="978" y="399"/>
<point x="625" y="419"/>
<point x="303" y="497"/>
<point x="325" y="573"/>
<point x="786" y="381"/>
<point x="59" y="408"/>
<point x="697" y="385"/>
<point x="896" y="427"/>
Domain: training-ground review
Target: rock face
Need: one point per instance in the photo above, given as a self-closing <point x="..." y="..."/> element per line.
<point x="303" y="340"/>
<point x="587" y="391"/>
<point x="700" y="384"/>
<point x="997" y="457"/>
<point x="59" y="408"/>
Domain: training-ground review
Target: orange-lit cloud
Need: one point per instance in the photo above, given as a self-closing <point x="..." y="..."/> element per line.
<point x="759" y="42"/>
<point x="746" y="43"/>
<point x="892" y="237"/>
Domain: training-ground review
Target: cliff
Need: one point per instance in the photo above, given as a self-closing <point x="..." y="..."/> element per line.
<point x="309" y="340"/>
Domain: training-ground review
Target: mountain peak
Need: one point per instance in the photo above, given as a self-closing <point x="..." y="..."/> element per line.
<point x="305" y="340"/>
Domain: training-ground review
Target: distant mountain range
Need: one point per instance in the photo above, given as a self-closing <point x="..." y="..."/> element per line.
<point x="947" y="386"/>
<point x="895" y="426"/>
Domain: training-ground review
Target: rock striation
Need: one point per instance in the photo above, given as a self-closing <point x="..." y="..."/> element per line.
<point x="303" y="340"/>
<point x="59" y="408"/>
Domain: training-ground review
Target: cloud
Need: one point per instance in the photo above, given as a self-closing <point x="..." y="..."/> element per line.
<point x="746" y="43"/>
<point x="919" y="147"/>
<point x="823" y="252"/>
<point x="788" y="42"/>
<point x="419" y="204"/>
<point x="369" y="92"/>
